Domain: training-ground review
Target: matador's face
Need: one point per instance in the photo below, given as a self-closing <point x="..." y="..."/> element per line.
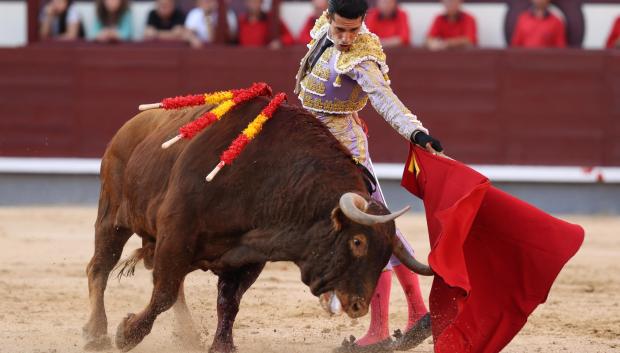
<point x="343" y="31"/>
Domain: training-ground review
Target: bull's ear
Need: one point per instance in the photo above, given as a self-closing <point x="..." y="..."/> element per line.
<point x="338" y="219"/>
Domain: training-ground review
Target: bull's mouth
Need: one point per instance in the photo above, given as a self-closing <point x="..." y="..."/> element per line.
<point x="336" y="302"/>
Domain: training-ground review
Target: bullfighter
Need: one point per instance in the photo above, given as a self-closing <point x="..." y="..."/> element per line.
<point x="345" y="67"/>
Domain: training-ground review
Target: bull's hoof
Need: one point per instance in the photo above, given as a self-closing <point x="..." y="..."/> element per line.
<point x="124" y="341"/>
<point x="222" y="348"/>
<point x="420" y="331"/>
<point x="98" y="344"/>
<point x="349" y="346"/>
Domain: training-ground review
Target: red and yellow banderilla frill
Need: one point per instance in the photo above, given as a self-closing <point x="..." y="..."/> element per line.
<point x="248" y="134"/>
<point x="226" y="100"/>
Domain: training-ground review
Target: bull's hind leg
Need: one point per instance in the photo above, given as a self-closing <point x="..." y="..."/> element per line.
<point x="171" y="264"/>
<point x="109" y="243"/>
<point x="230" y="289"/>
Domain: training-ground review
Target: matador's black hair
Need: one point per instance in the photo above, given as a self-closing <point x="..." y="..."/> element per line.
<point x="350" y="9"/>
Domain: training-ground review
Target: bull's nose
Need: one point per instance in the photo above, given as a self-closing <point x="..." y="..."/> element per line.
<point x="357" y="308"/>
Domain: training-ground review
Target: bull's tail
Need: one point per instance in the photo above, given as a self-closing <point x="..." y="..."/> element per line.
<point x="127" y="267"/>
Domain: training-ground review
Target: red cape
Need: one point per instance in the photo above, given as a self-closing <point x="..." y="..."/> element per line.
<point x="495" y="256"/>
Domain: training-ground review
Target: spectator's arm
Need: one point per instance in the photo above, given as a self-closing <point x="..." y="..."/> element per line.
<point x="176" y="33"/>
<point x="150" y="31"/>
<point x="98" y="33"/>
<point x="458" y="42"/>
<point x="73" y="31"/>
<point x="125" y="27"/>
<point x="395" y="41"/>
<point x="46" y="19"/>
<point x="73" y="24"/>
<point x="433" y="38"/>
<point x="191" y="28"/>
<point x="192" y="38"/>
<point x="471" y="31"/>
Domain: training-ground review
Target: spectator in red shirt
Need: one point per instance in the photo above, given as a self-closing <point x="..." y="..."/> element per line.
<point x="453" y="29"/>
<point x="539" y="28"/>
<point x="255" y="25"/>
<point x="319" y="7"/>
<point x="390" y="23"/>
<point x="614" y="36"/>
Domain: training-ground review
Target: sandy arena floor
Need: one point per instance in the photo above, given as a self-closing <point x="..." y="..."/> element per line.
<point x="44" y="302"/>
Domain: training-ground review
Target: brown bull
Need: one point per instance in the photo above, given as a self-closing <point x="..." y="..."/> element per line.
<point x="281" y="200"/>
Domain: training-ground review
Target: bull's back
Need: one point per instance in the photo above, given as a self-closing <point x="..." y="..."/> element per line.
<point x="135" y="168"/>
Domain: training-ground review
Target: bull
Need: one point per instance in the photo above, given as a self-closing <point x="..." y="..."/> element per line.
<point x="294" y="194"/>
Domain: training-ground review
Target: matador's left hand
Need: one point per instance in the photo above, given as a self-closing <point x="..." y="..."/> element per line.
<point x="426" y="141"/>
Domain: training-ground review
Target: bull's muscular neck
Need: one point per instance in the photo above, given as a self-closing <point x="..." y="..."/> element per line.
<point x="290" y="179"/>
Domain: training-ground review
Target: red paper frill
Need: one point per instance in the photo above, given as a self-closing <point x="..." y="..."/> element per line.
<point x="235" y="149"/>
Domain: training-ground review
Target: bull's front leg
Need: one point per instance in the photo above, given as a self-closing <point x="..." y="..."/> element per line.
<point x="171" y="265"/>
<point x="231" y="287"/>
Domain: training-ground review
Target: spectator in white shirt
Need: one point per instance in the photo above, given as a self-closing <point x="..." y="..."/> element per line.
<point x="201" y="23"/>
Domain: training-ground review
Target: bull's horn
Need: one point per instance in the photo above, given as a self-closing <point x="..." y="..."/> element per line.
<point x="354" y="207"/>
<point x="408" y="260"/>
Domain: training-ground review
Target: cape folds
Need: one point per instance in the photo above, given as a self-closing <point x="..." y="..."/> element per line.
<point x="495" y="256"/>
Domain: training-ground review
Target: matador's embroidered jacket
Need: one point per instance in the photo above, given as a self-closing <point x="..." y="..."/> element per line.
<point x="341" y="83"/>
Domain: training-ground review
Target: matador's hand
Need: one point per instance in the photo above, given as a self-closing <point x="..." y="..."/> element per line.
<point x="426" y="141"/>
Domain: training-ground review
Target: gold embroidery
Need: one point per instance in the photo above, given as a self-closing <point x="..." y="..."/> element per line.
<point x="360" y="138"/>
<point x="374" y="75"/>
<point x="365" y="47"/>
<point x="355" y="93"/>
<point x="313" y="85"/>
<point x="336" y="106"/>
<point x="321" y="71"/>
<point x="318" y="25"/>
<point x="349" y="133"/>
<point x="337" y="124"/>
<point x="327" y="54"/>
<point x="321" y="68"/>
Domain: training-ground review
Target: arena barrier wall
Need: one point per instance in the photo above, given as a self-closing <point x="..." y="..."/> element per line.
<point x="493" y="107"/>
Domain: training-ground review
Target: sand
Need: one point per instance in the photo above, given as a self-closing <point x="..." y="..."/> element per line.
<point x="44" y="302"/>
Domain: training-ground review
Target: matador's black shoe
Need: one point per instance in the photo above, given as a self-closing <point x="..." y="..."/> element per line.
<point x="350" y="346"/>
<point x="414" y="336"/>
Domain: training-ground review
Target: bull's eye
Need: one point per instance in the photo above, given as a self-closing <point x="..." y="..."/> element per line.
<point x="359" y="245"/>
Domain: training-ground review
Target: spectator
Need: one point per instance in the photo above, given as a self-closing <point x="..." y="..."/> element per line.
<point x="61" y="20"/>
<point x="112" y="21"/>
<point x="454" y="28"/>
<point x="201" y="23"/>
<point x="539" y="28"/>
<point x="319" y="7"/>
<point x="614" y="36"/>
<point x="255" y="26"/>
<point x="390" y="23"/>
<point x="165" y="22"/>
